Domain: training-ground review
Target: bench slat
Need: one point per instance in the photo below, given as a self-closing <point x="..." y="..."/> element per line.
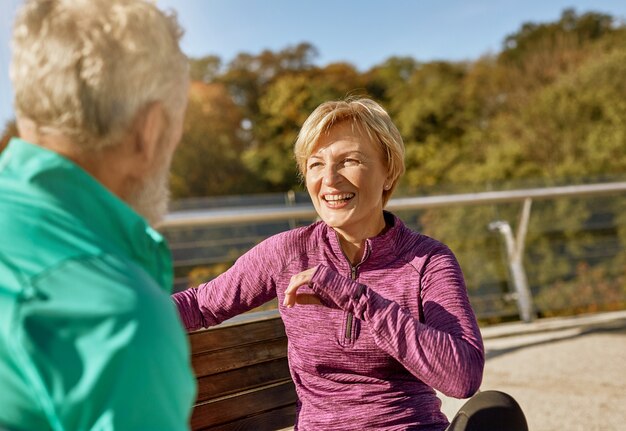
<point x="221" y="337"/>
<point x="237" y="357"/>
<point x="245" y="405"/>
<point x="279" y="419"/>
<point x="228" y="382"/>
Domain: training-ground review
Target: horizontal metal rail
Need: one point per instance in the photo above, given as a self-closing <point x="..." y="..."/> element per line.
<point x="306" y="211"/>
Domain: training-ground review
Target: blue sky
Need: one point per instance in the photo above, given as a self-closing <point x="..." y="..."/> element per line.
<point x="362" y="32"/>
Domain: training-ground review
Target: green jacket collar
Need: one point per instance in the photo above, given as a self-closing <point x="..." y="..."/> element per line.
<point x="89" y="201"/>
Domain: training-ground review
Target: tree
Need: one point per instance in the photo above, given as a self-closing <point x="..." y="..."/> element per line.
<point x="208" y="161"/>
<point x="428" y="110"/>
<point x="283" y="109"/>
<point x="383" y="80"/>
<point x="573" y="29"/>
<point x="247" y="76"/>
<point x="206" y="69"/>
<point x="575" y="127"/>
<point x="539" y="53"/>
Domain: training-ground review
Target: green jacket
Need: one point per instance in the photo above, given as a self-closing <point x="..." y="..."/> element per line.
<point x="89" y="338"/>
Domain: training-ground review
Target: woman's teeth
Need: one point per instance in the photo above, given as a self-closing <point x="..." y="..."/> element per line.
<point x="338" y="198"/>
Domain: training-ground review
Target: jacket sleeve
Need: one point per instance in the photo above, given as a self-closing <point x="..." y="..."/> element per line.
<point x="445" y="349"/>
<point x="247" y="284"/>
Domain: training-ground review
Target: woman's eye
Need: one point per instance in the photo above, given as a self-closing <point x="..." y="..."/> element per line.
<point x="314" y="165"/>
<point x="351" y="162"/>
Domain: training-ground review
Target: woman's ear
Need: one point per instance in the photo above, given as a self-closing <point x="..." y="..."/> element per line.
<point x="388" y="183"/>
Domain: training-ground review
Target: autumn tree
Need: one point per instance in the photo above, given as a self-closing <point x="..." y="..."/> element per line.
<point x="538" y="54"/>
<point x="247" y="76"/>
<point x="385" y="80"/>
<point x="208" y="161"/>
<point x="205" y="69"/>
<point x="428" y="110"/>
<point x="284" y="107"/>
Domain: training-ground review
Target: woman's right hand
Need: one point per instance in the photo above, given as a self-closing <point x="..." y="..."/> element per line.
<point x="292" y="297"/>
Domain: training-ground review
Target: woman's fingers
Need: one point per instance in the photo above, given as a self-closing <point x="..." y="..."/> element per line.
<point x="291" y="294"/>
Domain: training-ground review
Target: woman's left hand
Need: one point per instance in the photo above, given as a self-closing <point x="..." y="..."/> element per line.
<point x="291" y="294"/>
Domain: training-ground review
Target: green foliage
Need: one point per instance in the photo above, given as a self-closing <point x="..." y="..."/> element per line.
<point x="247" y="76"/>
<point x="206" y="69"/>
<point x="571" y="30"/>
<point x="384" y="79"/>
<point x="202" y="274"/>
<point x="593" y="289"/>
<point x="283" y="108"/>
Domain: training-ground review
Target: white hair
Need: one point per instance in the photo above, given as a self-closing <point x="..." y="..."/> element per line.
<point x="86" y="68"/>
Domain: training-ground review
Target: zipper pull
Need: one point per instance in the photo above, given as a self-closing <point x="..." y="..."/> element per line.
<point x="350" y="316"/>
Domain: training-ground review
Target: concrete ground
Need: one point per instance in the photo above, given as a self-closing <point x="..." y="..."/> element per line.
<point x="566" y="373"/>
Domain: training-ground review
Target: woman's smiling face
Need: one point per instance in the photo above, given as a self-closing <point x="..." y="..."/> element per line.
<point x="345" y="177"/>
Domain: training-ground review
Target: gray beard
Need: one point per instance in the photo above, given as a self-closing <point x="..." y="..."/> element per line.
<point x="150" y="198"/>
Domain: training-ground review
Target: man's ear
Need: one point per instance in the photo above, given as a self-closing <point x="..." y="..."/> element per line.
<point x="149" y="127"/>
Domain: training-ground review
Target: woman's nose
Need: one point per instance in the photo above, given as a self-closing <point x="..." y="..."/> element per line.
<point x="330" y="175"/>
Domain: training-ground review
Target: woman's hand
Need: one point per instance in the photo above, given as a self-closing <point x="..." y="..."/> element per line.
<point x="291" y="294"/>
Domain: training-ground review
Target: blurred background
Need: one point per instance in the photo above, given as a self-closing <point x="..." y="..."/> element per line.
<point x="488" y="95"/>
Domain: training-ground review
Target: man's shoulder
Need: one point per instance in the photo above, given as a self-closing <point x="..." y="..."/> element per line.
<point x="40" y="235"/>
<point x="82" y="285"/>
<point x="35" y="250"/>
<point x="51" y="252"/>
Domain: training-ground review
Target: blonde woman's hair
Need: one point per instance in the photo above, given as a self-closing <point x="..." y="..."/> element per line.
<point x="365" y="114"/>
<point x="85" y="68"/>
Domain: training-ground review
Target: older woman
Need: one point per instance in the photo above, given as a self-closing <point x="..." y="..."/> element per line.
<point x="377" y="316"/>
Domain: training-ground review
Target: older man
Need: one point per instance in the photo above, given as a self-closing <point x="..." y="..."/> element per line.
<point x="89" y="339"/>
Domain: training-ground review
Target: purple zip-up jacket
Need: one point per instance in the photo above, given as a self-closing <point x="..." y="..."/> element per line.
<point x="392" y="328"/>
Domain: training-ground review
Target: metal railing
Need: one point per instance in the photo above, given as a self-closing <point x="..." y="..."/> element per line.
<point x="304" y="211"/>
<point x="514" y="243"/>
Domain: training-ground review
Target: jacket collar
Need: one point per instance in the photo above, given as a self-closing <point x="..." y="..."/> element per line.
<point x="379" y="249"/>
<point x="114" y="225"/>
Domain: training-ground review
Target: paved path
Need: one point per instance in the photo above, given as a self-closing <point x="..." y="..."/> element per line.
<point x="566" y="373"/>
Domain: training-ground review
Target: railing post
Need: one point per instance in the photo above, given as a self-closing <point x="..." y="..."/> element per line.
<point x="515" y="257"/>
<point x="290" y="200"/>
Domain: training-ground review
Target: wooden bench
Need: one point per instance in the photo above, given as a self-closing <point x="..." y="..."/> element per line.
<point x="243" y="375"/>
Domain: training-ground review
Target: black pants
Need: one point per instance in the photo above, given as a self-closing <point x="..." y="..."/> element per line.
<point x="489" y="411"/>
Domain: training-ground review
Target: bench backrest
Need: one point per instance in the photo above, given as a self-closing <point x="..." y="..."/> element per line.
<point x="243" y="375"/>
